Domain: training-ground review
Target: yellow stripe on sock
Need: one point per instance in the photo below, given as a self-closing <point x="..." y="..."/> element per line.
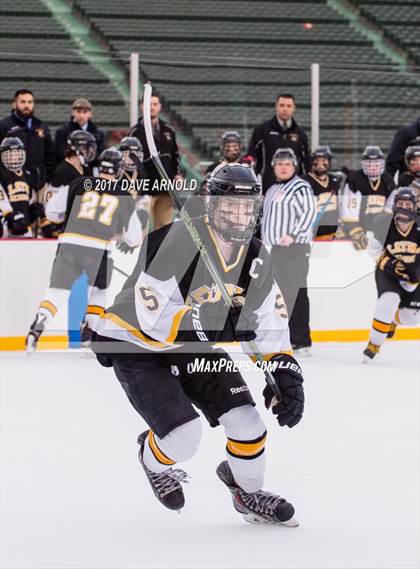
<point x="382" y="327"/>
<point x="49" y="306"/>
<point x="158" y="454"/>
<point x="246" y="448"/>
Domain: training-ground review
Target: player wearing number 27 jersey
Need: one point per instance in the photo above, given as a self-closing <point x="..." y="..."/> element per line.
<point x="94" y="211"/>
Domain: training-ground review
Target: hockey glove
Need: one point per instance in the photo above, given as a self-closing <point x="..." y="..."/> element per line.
<point x="396" y="269"/>
<point x="124" y="247"/>
<point x="359" y="238"/>
<point x="289" y="379"/>
<point x="48" y="229"/>
<point x="104" y="360"/>
<point x="16" y="223"/>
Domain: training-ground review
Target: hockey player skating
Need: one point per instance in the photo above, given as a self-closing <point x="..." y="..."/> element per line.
<point x="171" y="313"/>
<point x="397" y="239"/>
<point x="94" y="211"/>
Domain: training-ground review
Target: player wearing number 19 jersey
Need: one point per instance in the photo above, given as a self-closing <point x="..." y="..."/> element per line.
<point x="94" y="211"/>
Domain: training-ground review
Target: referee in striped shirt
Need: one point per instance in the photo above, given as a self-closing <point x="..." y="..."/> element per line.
<point x="289" y="211"/>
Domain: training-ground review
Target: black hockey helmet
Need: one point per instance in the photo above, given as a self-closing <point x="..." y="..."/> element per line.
<point x="282" y="154"/>
<point x="321" y="152"/>
<point x="231" y="136"/>
<point x="412" y="152"/>
<point x="83" y="144"/>
<point x="405" y="194"/>
<point x="234" y="202"/>
<point x="132" y="151"/>
<point x="110" y="161"/>
<point x="13" y="153"/>
<point x="373" y="162"/>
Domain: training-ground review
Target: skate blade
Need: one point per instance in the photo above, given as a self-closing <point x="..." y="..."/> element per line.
<point x="256" y="520"/>
<point x="367" y="360"/>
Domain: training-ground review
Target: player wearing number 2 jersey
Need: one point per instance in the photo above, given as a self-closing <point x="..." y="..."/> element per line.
<point x="94" y="211"/>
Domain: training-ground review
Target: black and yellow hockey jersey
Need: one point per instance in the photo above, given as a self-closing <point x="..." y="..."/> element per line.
<point x="394" y="243"/>
<point x="170" y="280"/>
<point x="326" y="197"/>
<point x="363" y="199"/>
<point x="19" y="190"/>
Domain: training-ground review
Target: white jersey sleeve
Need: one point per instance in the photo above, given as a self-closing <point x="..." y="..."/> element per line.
<point x="55" y="209"/>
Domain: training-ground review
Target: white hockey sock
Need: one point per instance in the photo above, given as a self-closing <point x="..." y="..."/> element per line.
<point x="245" y="451"/>
<point x="385" y="309"/>
<point x="54" y="300"/>
<point x="180" y="444"/>
<point x="96" y="305"/>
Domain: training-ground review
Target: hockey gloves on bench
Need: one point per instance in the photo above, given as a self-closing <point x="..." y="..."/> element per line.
<point x="288" y="376"/>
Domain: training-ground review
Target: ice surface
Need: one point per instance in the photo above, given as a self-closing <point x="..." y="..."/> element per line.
<point x="74" y="496"/>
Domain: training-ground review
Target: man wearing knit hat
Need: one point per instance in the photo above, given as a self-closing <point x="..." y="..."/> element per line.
<point x="81" y="119"/>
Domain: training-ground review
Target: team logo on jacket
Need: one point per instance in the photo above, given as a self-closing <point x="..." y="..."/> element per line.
<point x="40" y="132"/>
<point x="167" y="135"/>
<point x="294" y="137"/>
<point x="213" y="293"/>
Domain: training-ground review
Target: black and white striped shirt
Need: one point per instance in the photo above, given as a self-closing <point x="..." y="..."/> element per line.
<point x="289" y="208"/>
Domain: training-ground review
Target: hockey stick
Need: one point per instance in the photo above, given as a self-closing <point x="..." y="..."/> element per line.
<point x="343" y="180"/>
<point x="120" y="271"/>
<point x="198" y="242"/>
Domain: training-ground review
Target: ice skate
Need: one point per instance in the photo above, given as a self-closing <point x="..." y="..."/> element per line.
<point x="259" y="507"/>
<point x="166" y="485"/>
<point x="85" y="335"/>
<point x="35" y="331"/>
<point x="370" y="352"/>
<point x="302" y="351"/>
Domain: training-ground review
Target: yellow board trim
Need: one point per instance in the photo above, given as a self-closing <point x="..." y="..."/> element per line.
<point x="12" y="343"/>
<point x="361" y="335"/>
<point x="15" y="343"/>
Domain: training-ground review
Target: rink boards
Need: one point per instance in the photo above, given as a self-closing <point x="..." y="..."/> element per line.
<point x="341" y="289"/>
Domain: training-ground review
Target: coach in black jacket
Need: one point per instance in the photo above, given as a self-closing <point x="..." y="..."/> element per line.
<point x="406" y="136"/>
<point x="80" y="119"/>
<point x="165" y="139"/>
<point x="281" y="131"/>
<point x="34" y="133"/>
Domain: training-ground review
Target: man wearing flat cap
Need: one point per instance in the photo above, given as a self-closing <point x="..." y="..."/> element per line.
<point x="81" y="118"/>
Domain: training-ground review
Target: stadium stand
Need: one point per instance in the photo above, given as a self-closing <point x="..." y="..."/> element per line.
<point x="400" y="21"/>
<point x="221" y="64"/>
<point x="37" y="53"/>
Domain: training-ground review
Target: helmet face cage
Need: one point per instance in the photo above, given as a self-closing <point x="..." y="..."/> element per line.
<point x="373" y="168"/>
<point x="321" y="152"/>
<point x="13" y="159"/>
<point x="132" y="153"/>
<point x="402" y="212"/>
<point x="234" y="217"/>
